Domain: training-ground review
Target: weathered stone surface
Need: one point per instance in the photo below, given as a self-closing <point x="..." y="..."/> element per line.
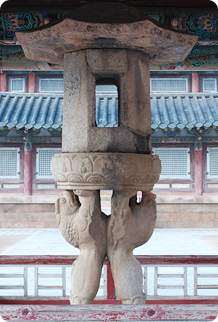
<point x="102" y="29"/>
<point x="107" y="171"/>
<point x="130" y="72"/>
<point x="130" y="225"/>
<point x="83" y="225"/>
<point x="106" y="43"/>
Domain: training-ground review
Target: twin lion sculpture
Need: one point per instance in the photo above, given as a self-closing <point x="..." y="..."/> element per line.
<point x="85" y="226"/>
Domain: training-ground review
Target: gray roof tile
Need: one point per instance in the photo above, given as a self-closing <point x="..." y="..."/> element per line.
<point x="167" y="110"/>
<point x="31" y="110"/>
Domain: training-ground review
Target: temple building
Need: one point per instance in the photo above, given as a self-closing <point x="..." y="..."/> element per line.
<point x="184" y="108"/>
<point x="184" y="122"/>
<point x="108" y="130"/>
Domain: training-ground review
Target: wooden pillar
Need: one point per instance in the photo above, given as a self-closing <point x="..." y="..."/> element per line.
<point x="198" y="172"/>
<point x="28" y="146"/>
<point x="195" y="82"/>
<point x="110" y="283"/>
<point x="27" y="169"/>
<point x="3" y="82"/>
<point x="31" y="82"/>
<point x="198" y="149"/>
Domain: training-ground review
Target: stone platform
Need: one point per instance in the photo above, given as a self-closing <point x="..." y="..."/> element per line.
<point x="173" y="211"/>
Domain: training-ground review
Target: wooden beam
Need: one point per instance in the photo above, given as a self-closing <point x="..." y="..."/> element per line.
<point x="108" y="312"/>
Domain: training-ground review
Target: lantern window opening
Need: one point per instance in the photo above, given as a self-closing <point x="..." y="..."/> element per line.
<point x="106" y="103"/>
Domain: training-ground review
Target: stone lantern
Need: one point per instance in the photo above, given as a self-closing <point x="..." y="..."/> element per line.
<point x="96" y="44"/>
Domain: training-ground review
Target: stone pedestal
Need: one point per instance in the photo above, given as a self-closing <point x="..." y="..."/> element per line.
<point x="106" y="43"/>
<point x="83" y="225"/>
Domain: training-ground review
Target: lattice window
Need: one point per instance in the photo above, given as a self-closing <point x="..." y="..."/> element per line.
<point x="175" y="162"/>
<point x="167" y="85"/>
<point x="43" y="161"/>
<point x="49" y="85"/>
<point x="106" y="89"/>
<point x="17" y="84"/>
<point x="212" y="162"/>
<point x="10" y="162"/>
<point x="209" y="85"/>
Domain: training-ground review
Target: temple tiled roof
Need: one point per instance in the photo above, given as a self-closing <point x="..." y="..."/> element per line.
<point x="167" y="110"/>
<point x="31" y="110"/>
<point x="184" y="110"/>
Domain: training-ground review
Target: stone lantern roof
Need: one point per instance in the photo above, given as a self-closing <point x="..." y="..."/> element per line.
<point x="106" y="25"/>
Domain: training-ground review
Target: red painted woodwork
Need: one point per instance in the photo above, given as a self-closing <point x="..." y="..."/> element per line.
<point x="195" y="82"/>
<point x="31" y="82"/>
<point x="27" y="190"/>
<point x="198" y="172"/>
<point x="159" y="301"/>
<point x="109" y="312"/>
<point x="143" y="259"/>
<point x="68" y="260"/>
<point x="110" y="283"/>
<point x="3" y="82"/>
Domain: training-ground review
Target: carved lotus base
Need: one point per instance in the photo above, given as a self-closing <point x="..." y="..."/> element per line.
<point x="105" y="171"/>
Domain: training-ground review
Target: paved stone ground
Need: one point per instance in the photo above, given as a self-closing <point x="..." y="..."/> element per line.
<point x="162" y="242"/>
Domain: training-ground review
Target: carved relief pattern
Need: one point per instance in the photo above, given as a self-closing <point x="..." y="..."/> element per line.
<point x="130" y="225"/>
<point x="101" y="169"/>
<point x="67" y="208"/>
<point x="84" y="226"/>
